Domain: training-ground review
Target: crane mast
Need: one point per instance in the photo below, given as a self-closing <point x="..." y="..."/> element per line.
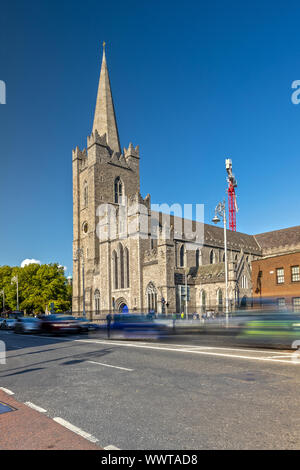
<point x="232" y="205"/>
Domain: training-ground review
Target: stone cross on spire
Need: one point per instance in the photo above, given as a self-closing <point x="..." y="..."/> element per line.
<point x="105" y="119"/>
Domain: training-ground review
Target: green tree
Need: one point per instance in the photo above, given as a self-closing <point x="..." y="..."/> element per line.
<point x="39" y="285"/>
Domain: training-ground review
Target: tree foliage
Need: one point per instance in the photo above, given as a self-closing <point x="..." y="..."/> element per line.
<point x="39" y="285"/>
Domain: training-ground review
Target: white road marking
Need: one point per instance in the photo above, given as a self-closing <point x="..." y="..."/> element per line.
<point x="111" y="448"/>
<point x="35" y="407"/>
<point x="264" y="351"/>
<point x="205" y="350"/>
<point x="6" y="390"/>
<point x="108" y="365"/>
<point x="186" y="349"/>
<point x="142" y="344"/>
<point x="276" y="357"/>
<point x="75" y="429"/>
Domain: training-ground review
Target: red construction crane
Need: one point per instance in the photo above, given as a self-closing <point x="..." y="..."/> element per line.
<point x="232" y="205"/>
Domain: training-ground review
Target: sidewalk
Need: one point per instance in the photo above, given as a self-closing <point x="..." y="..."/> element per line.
<point x="27" y="429"/>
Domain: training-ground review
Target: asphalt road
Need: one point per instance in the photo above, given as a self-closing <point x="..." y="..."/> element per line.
<point x="184" y="393"/>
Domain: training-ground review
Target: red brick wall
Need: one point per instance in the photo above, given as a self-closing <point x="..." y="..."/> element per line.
<point x="267" y="286"/>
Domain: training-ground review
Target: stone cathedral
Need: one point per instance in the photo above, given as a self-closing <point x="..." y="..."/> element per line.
<point x="121" y="266"/>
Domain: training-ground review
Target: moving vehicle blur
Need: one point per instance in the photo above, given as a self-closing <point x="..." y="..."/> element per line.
<point x="272" y="328"/>
<point x="28" y="325"/>
<point x="136" y="326"/>
<point x="86" y="325"/>
<point x="8" y="324"/>
<point x="59" y="324"/>
<point x="13" y="314"/>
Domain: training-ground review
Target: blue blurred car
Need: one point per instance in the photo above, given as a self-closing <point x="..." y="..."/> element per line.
<point x="137" y="326"/>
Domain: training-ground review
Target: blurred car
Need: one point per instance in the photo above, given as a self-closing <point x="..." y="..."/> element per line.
<point x="27" y="325"/>
<point x="1" y="321"/>
<point x="59" y="324"/>
<point x="8" y="324"/>
<point x="137" y="326"/>
<point x="16" y="314"/>
<point x="270" y="329"/>
<point x="86" y="325"/>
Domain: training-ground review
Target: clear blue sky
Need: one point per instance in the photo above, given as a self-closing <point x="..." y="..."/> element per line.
<point x="193" y="82"/>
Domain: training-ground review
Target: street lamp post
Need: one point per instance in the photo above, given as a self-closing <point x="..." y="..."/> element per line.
<point x="186" y="306"/>
<point x="220" y="210"/>
<point x="80" y="255"/>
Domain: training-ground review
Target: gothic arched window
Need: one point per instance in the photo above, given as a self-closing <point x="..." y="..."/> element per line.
<point x="115" y="270"/>
<point x="212" y="257"/>
<point x="121" y="256"/>
<point x="203" y="301"/>
<point x="97" y="301"/>
<point x="220" y="300"/>
<point x="197" y="258"/>
<point x="181" y="256"/>
<point x="127" y="266"/>
<point x="119" y="193"/>
<point x="151" y="297"/>
<point x="85" y="195"/>
<point x="244" y="282"/>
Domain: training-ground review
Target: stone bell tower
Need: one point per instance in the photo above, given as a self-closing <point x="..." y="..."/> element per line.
<point x="102" y="174"/>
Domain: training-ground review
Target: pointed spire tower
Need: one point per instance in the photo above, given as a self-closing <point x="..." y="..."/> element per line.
<point x="105" y="119"/>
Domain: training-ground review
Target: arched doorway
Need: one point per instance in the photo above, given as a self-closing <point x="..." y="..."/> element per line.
<point x="123" y="308"/>
<point x="121" y="305"/>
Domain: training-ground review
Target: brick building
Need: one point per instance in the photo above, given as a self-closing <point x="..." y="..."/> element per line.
<point x="277" y="277"/>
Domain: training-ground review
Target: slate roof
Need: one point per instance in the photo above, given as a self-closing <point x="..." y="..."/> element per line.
<point x="214" y="235"/>
<point x="279" y="238"/>
<point x="255" y="244"/>
<point x="209" y="272"/>
<point x="235" y="240"/>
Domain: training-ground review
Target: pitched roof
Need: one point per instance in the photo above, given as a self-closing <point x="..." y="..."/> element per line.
<point x="210" y="235"/>
<point x="286" y="237"/>
<point x="235" y="240"/>
<point x="210" y="272"/>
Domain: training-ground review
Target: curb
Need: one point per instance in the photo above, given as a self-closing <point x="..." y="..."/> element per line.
<point x="26" y="427"/>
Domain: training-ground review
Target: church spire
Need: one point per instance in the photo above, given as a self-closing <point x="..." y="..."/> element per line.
<point x="105" y="119"/>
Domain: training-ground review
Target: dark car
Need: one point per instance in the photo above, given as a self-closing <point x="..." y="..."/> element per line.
<point x="87" y="325"/>
<point x="59" y="324"/>
<point x="16" y="314"/>
<point x="28" y="325"/>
